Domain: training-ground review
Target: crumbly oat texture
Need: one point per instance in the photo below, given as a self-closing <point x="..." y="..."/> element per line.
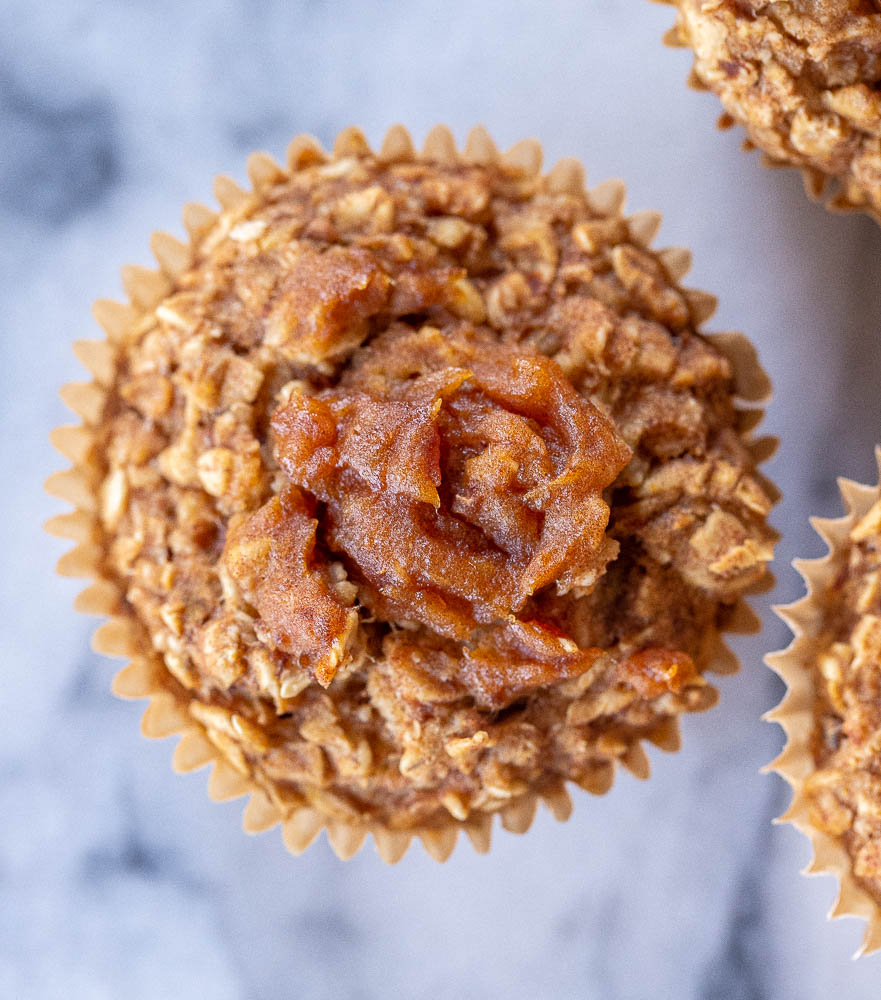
<point x="803" y="78"/>
<point x="845" y="791"/>
<point x="423" y="489"/>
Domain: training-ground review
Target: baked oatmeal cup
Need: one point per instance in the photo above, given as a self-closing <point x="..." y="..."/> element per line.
<point x="804" y="80"/>
<point x="413" y="491"/>
<point x="832" y="710"/>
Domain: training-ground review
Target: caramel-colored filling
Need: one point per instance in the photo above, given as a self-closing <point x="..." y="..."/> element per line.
<point x="458" y="478"/>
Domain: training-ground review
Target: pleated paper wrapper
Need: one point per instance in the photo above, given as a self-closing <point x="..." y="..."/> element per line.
<point x="795" y="713"/>
<point x="122" y="636"/>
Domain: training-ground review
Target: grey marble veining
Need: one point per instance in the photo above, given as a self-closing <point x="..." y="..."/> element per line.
<point x="118" y="879"/>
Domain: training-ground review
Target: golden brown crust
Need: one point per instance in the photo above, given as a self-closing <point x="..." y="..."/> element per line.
<point x="830" y="710"/>
<point x="845" y="790"/>
<point x="802" y="78"/>
<point x="268" y="317"/>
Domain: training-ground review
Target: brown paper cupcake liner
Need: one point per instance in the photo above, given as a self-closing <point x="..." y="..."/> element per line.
<point x="819" y="187"/>
<point x="795" y="710"/>
<point x="123" y="636"/>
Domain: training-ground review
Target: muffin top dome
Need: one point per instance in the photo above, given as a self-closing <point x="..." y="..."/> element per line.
<point x="802" y="78"/>
<point x="844" y="791"/>
<point x="421" y="487"/>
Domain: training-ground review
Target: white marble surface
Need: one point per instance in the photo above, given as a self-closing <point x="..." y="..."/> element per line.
<point x="118" y="879"/>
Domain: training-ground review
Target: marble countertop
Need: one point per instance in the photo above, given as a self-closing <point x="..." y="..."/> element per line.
<point x="118" y="879"/>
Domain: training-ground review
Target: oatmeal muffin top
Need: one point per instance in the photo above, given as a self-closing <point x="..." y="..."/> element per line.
<point x="845" y="791"/>
<point x="803" y="78"/>
<point x="423" y="490"/>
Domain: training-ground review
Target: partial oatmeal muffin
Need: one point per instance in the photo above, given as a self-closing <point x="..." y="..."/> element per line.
<point x="832" y="711"/>
<point x="414" y="491"/>
<point x="803" y="79"/>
